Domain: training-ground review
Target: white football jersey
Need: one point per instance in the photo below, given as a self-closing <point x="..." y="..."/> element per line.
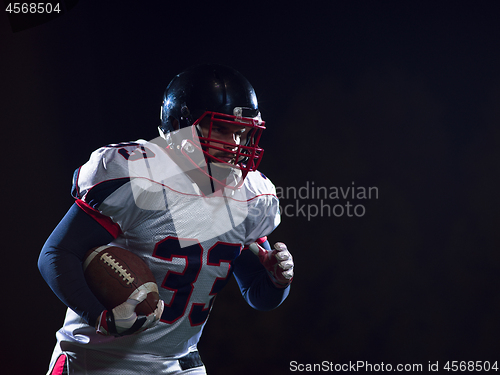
<point x="186" y="238"/>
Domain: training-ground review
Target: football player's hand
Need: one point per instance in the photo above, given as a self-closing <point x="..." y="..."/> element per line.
<point x="123" y="320"/>
<point x="278" y="262"/>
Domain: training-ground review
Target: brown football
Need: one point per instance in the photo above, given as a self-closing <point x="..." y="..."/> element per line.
<point x="113" y="273"/>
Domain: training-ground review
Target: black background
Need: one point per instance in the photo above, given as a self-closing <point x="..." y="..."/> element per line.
<point x="402" y="96"/>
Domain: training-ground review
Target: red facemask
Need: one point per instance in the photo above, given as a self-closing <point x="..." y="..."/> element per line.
<point x="243" y="154"/>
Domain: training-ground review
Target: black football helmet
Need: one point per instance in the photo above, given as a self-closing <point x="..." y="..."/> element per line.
<point x="211" y="96"/>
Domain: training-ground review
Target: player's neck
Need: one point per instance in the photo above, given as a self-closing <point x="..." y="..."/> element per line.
<point x="209" y="178"/>
<point x="206" y="184"/>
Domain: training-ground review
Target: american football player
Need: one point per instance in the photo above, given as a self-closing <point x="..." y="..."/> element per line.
<point x="194" y="207"/>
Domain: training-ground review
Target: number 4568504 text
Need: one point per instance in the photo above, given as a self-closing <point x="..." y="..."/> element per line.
<point x="33" y="8"/>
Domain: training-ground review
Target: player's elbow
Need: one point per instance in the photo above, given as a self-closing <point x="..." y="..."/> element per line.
<point x="44" y="260"/>
<point x="268" y="300"/>
<point x="48" y="260"/>
<point x="263" y="307"/>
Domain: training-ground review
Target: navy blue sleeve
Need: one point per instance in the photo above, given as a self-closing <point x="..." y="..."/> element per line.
<point x="60" y="261"/>
<point x="255" y="284"/>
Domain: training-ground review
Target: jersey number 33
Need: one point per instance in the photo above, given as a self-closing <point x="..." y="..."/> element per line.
<point x="182" y="283"/>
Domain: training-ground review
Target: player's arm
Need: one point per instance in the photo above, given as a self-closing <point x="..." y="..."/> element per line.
<point x="60" y="264"/>
<point x="60" y="261"/>
<point x="258" y="285"/>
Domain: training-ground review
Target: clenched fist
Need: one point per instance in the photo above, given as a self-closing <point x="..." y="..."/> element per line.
<point x="278" y="262"/>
